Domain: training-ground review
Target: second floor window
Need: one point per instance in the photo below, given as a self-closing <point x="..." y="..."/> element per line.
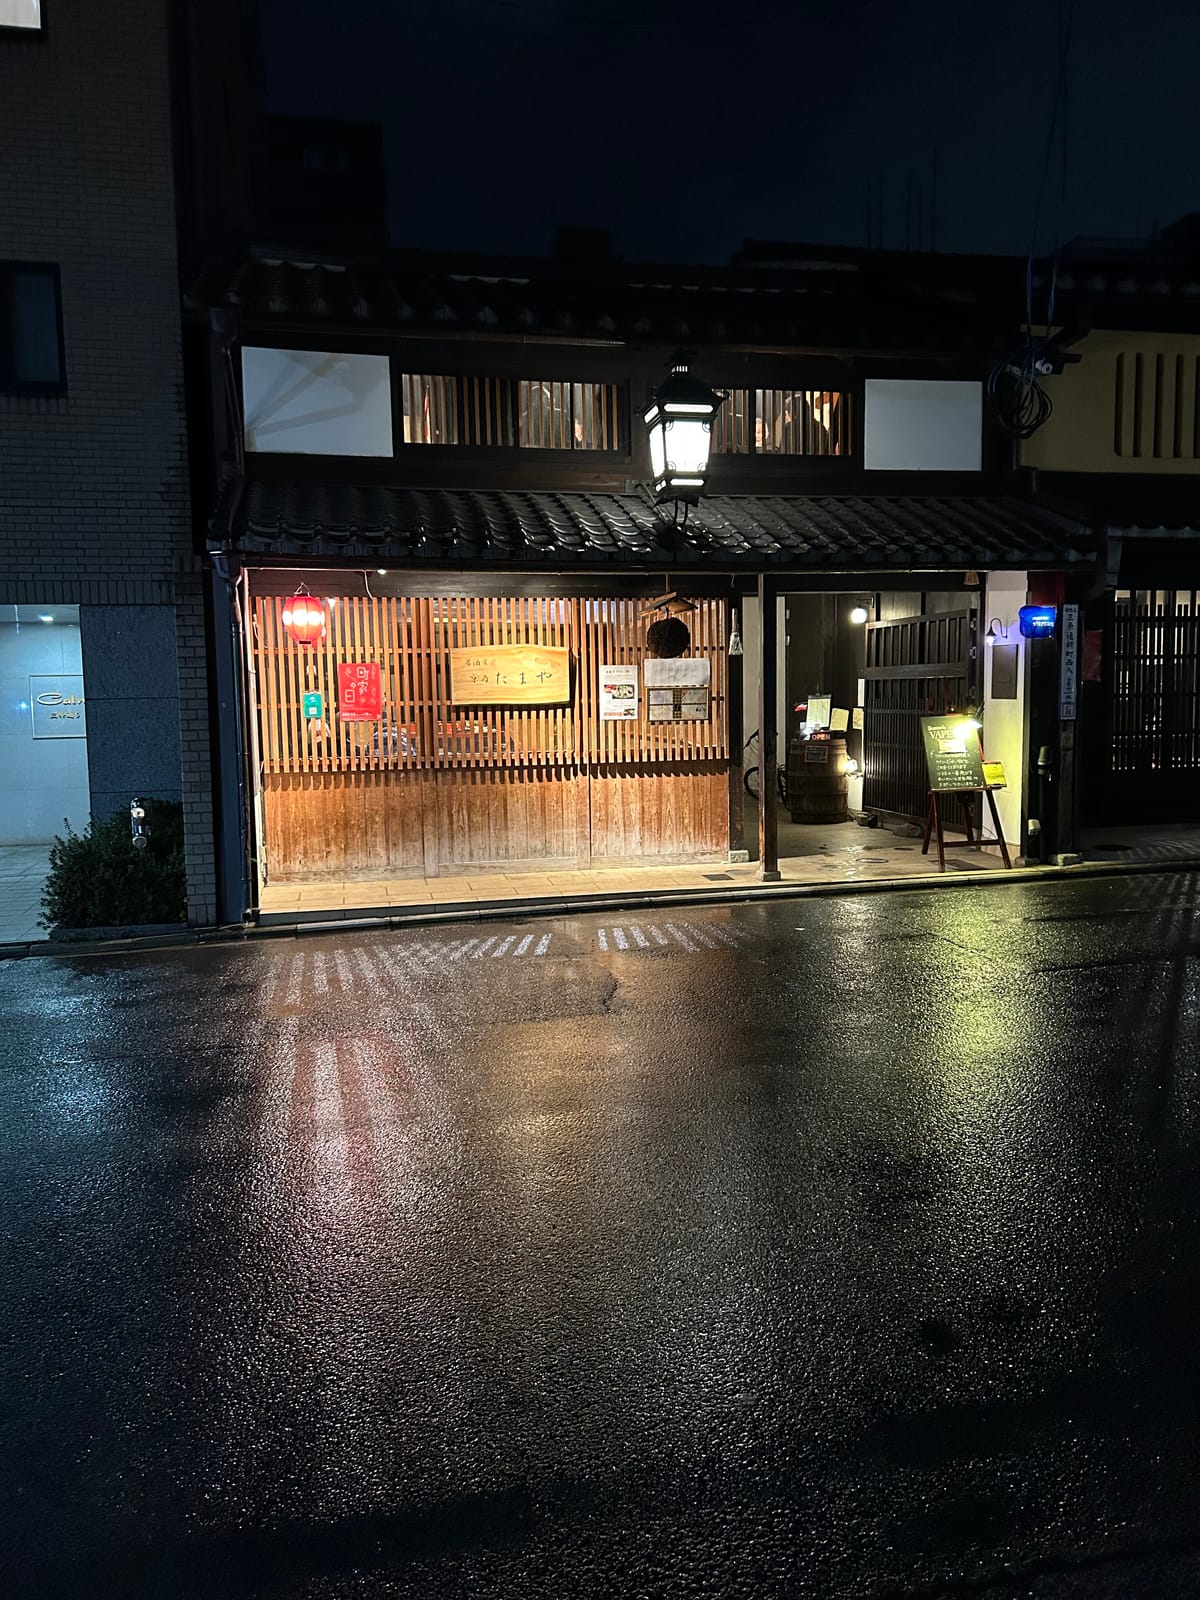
<point x="783" y="422"/>
<point x="31" y="349"/>
<point x="568" y="416"/>
<point x="21" y="14"/>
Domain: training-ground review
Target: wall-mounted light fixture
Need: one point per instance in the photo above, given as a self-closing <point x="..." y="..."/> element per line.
<point x="997" y="632"/>
<point x="859" y="615"/>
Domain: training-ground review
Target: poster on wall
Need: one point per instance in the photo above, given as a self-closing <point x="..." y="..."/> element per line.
<point x="679" y="672"/>
<point x="510" y="675"/>
<point x="820" y="707"/>
<point x="678" y="705"/>
<point x="360" y="691"/>
<point x="56" y="706"/>
<point x="618" y="694"/>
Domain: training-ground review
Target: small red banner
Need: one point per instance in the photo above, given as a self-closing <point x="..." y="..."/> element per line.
<point x="360" y="691"/>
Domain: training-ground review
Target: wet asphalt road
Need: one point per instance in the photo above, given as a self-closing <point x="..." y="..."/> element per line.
<point x="814" y="1248"/>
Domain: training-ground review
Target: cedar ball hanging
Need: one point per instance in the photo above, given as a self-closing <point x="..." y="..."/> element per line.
<point x="667" y="638"/>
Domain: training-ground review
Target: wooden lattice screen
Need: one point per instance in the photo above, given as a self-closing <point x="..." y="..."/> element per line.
<point x="411" y="637"/>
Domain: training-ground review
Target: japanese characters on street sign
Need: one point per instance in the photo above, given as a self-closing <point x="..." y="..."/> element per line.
<point x="510" y="675"/>
<point x="1069" y="664"/>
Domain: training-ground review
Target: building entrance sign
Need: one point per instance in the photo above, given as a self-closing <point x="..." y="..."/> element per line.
<point x="56" y="705"/>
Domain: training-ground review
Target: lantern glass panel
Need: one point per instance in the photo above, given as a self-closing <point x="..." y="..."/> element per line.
<point x="687" y="444"/>
<point x="658" y="451"/>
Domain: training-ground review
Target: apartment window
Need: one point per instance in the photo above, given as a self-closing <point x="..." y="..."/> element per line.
<point x="569" y="416"/>
<point x="25" y="14"/>
<point x="783" y="422"/>
<point x="31" y="345"/>
<point x="439" y="409"/>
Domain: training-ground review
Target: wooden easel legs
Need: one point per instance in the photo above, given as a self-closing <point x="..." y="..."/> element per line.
<point x="933" y="824"/>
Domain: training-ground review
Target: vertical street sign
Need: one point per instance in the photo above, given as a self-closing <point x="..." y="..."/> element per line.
<point x="1069" y="664"/>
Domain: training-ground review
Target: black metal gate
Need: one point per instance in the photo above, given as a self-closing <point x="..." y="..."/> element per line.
<point x="915" y="666"/>
<point x="1149" y="747"/>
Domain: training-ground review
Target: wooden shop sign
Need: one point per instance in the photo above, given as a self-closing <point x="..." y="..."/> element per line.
<point x="510" y="675"/>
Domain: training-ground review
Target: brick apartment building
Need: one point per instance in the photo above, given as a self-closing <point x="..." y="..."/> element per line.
<point x="98" y="579"/>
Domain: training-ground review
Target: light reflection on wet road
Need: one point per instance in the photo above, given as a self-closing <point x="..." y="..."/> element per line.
<point x="801" y="1248"/>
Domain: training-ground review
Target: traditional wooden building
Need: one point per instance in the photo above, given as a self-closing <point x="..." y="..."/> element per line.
<point x="1122" y="448"/>
<point x="449" y="456"/>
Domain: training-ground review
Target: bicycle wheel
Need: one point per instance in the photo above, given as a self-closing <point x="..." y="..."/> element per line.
<point x="751" y="781"/>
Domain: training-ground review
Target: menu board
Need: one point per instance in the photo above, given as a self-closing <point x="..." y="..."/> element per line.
<point x="618" y="694"/>
<point x="952" y="753"/>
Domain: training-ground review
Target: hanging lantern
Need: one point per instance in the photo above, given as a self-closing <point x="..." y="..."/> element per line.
<point x="304" y="618"/>
<point x="679" y="424"/>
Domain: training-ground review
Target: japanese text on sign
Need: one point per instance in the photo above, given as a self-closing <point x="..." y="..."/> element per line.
<point x="510" y="674"/>
<point x="1069" y="676"/>
<point x="360" y="691"/>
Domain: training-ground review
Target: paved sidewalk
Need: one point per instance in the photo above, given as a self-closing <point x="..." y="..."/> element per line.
<point x="23" y="870"/>
<point x="838" y="853"/>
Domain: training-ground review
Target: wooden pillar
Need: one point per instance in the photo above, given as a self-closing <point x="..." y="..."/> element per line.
<point x="736" y="736"/>
<point x="768" y="676"/>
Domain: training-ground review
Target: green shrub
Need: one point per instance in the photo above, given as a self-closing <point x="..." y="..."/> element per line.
<point x="98" y="880"/>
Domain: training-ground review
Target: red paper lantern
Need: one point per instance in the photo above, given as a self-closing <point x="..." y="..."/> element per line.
<point x="304" y="619"/>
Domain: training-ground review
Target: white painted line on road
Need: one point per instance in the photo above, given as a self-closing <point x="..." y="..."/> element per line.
<point x="367" y="966"/>
<point x="484" y="947"/>
<point x="524" y="945"/>
<point x="602" y="938"/>
<point x="640" y="939"/>
<point x="704" y="936"/>
<point x="677" y="933"/>
<point x="543" y="945"/>
<point x="464" y="949"/>
<point x="329" y="1122"/>
<point x="344" y="972"/>
<point x="320" y="972"/>
<point x="295" y="980"/>
<point x="619" y="936"/>
<point x="502" y="948"/>
<point x="659" y="936"/>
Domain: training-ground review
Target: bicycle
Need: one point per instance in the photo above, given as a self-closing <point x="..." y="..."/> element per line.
<point x="750" y="776"/>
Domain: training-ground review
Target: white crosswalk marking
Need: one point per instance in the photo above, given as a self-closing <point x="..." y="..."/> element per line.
<point x="320" y="972"/>
<point x="602" y="938"/>
<point x="543" y="945"/>
<point x="295" y="980"/>
<point x="345" y="975"/>
<point x="502" y="948"/>
<point x="619" y="936"/>
<point x="640" y="939"/>
<point x="524" y="945"/>
<point x="678" y="934"/>
<point x="484" y="947"/>
<point x="659" y="936"/>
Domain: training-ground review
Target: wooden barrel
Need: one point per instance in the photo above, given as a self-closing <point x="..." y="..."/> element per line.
<point x="818" y="788"/>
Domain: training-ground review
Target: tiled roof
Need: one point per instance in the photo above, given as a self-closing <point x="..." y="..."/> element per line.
<point x="820" y="533"/>
<point x="880" y="306"/>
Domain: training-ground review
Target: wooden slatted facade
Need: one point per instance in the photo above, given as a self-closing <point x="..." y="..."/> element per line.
<point x="433" y="787"/>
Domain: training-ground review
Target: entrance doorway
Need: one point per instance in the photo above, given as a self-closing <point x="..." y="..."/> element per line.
<point x="43" y="754"/>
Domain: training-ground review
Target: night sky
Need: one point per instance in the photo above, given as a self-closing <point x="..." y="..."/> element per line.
<point x="506" y="119"/>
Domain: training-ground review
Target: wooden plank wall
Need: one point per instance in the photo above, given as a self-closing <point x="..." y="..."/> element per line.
<point x="411" y="639"/>
<point x="433" y="788"/>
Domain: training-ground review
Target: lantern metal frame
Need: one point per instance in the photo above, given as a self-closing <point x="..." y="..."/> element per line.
<point x="681" y="415"/>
